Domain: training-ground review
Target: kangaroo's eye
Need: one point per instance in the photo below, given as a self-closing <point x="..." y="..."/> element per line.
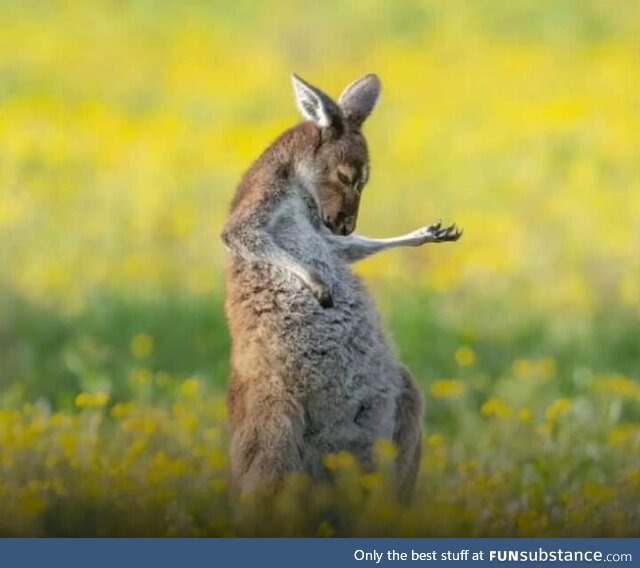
<point x="344" y="179"/>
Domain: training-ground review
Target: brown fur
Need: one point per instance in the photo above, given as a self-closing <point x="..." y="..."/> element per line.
<point x="312" y="370"/>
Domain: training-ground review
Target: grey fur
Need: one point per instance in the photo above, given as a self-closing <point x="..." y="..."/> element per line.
<point x="359" y="99"/>
<point x="313" y="371"/>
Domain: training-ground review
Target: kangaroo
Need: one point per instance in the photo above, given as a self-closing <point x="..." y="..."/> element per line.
<point x="313" y="371"/>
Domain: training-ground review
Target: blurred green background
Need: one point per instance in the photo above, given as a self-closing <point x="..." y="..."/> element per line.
<point x="125" y="125"/>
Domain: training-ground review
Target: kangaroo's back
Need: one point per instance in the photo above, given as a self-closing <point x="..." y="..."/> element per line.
<point x="274" y="168"/>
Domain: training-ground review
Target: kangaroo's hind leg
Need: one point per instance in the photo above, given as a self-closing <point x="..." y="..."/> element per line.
<point x="407" y="436"/>
<point x="267" y="424"/>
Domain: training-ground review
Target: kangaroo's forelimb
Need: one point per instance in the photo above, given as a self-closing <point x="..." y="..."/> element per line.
<point x="356" y="247"/>
<point x="247" y="236"/>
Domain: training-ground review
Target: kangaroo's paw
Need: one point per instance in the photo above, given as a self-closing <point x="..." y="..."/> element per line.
<point x="436" y="233"/>
<point x="320" y="290"/>
<point x="442" y="234"/>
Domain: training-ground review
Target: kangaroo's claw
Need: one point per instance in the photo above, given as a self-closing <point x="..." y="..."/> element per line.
<point x="320" y="290"/>
<point x="445" y="234"/>
<point x="435" y="227"/>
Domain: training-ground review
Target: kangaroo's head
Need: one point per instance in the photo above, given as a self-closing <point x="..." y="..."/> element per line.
<point x="339" y="166"/>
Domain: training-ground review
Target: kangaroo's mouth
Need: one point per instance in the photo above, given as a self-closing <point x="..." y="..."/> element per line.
<point x="347" y="229"/>
<point x="340" y="226"/>
<point x="341" y="229"/>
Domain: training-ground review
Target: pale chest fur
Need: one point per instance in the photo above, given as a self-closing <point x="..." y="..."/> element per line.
<point x="296" y="228"/>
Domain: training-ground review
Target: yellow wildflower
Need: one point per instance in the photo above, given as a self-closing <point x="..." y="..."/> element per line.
<point x="496" y="407"/>
<point x="558" y="409"/>
<point x="435" y="440"/>
<point x="340" y="461"/>
<point x="121" y="409"/>
<point x="465" y="356"/>
<point x="447" y="388"/>
<point x="535" y="369"/>
<point x="618" y="385"/>
<point x="385" y="450"/>
<point x="597" y="493"/>
<point x="624" y="434"/>
<point x="525" y="415"/>
<point x="524" y="368"/>
<point x="190" y="387"/>
<point x="92" y="400"/>
<point x="371" y="480"/>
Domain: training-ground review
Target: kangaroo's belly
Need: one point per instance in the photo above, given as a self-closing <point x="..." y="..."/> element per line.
<point x="337" y="360"/>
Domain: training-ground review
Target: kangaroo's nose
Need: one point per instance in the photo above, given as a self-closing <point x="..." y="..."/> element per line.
<point x="347" y="227"/>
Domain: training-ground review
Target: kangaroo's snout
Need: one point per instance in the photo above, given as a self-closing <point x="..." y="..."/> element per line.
<point x="348" y="227"/>
<point x="340" y="224"/>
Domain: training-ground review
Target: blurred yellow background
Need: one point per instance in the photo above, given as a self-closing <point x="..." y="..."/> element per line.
<point x="124" y="127"/>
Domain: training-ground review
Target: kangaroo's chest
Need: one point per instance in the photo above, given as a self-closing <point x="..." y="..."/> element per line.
<point x="296" y="228"/>
<point x="333" y="354"/>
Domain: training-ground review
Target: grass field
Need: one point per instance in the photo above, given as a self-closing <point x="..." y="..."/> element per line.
<point x="124" y="127"/>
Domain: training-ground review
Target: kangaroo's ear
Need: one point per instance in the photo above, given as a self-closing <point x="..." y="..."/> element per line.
<point x="314" y="104"/>
<point x="358" y="99"/>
